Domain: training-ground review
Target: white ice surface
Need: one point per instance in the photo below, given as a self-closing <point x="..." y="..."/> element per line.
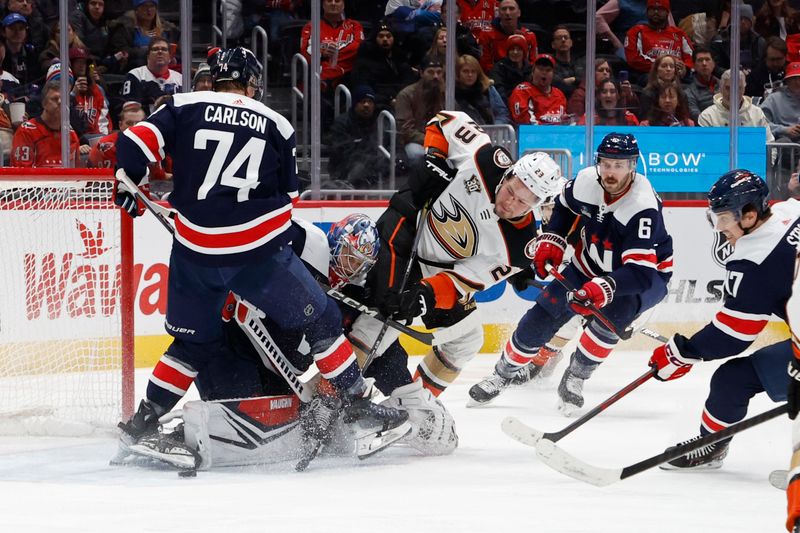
<point x="490" y="484"/>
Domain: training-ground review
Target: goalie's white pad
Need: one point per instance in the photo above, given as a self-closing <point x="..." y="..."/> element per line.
<point x="243" y="432"/>
<point x="433" y="428"/>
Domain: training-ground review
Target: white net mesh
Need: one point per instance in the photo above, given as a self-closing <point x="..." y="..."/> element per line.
<point x="60" y="308"/>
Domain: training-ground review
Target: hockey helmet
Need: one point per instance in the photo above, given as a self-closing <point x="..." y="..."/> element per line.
<point x="237" y="65"/>
<point x="354" y="243"/>
<point x="618" y="146"/>
<point x="735" y="190"/>
<point x="540" y="174"/>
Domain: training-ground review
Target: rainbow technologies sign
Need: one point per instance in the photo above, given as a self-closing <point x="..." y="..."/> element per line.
<point x="678" y="159"/>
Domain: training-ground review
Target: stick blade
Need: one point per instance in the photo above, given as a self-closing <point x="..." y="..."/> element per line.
<point x="520" y="431"/>
<point x="560" y="461"/>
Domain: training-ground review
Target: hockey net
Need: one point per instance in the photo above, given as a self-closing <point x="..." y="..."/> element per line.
<point x="66" y="303"/>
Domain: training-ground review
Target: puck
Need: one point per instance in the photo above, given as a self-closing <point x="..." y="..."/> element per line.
<point x="187" y="473"/>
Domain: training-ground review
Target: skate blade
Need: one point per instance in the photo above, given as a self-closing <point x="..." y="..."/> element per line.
<point x="712" y="465"/>
<point x="567" y="409"/>
<point x="369" y="445"/>
<point x="183" y="462"/>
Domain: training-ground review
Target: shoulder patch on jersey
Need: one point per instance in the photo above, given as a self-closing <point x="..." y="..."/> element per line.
<point x="501" y="158"/>
<point x="490" y="171"/>
<point x="472" y="184"/>
<point x="530" y="249"/>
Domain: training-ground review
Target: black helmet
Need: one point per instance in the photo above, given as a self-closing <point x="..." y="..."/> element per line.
<point x="618" y="146"/>
<point x="737" y="189"/>
<point x="238" y="65"/>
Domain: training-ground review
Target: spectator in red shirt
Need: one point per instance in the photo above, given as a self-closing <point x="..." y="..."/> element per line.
<point x="646" y="42"/>
<point x="493" y="41"/>
<point x="537" y="101"/>
<point x="477" y="15"/>
<point x="89" y="97"/>
<point x="104" y="152"/>
<point x="37" y="142"/>
<point x="339" y="39"/>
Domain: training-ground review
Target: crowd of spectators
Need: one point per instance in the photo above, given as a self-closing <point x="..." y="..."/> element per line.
<point x="659" y="63"/>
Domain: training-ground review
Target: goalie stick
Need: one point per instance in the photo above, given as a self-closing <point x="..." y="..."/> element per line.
<point x="561" y="461"/>
<point x="529" y="436"/>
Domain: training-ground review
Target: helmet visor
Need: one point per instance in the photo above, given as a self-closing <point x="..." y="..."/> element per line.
<point x="722" y="220"/>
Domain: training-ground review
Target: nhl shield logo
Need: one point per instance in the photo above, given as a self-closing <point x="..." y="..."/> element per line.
<point x="722" y="249"/>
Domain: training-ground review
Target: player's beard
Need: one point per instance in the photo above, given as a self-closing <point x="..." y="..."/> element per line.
<point x="432" y="96"/>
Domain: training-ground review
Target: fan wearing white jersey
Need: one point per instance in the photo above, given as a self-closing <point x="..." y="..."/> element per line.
<point x="474" y="209"/>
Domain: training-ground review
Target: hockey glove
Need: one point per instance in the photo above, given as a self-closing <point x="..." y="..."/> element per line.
<point x="127" y="200"/>
<point x="549" y="250"/>
<point x="668" y="361"/>
<point x="437" y="165"/>
<point x="597" y="293"/>
<point x="793" y="393"/>
<point x="416" y="301"/>
<point x="521" y="280"/>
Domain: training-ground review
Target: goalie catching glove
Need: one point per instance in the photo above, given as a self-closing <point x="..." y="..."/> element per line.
<point x="126" y="199"/>
<point x="670" y="360"/>
<point x="596" y="293"/>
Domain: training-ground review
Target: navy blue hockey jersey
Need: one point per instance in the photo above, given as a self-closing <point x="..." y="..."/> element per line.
<point x="234" y="172"/>
<point x="758" y="283"/>
<point x="625" y="239"/>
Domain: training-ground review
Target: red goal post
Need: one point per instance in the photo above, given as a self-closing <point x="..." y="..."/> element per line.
<point x="66" y="303"/>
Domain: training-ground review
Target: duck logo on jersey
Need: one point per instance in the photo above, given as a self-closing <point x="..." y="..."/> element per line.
<point x="721" y="249"/>
<point x="454" y="229"/>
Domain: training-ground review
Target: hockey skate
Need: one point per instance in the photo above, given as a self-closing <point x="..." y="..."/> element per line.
<point x="374" y="426"/>
<point x="317" y="422"/>
<point x="526" y="374"/>
<point x="706" y="458"/>
<point x="143" y="423"/>
<point x="488" y="389"/>
<point x="570" y="393"/>
<point x="169" y="448"/>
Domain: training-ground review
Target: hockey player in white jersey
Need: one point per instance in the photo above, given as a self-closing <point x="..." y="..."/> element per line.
<point x="473" y="206"/>
<point x="758" y="283"/>
<point x="622" y="264"/>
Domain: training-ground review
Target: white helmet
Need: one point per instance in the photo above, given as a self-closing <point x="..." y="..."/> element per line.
<point x="540" y="174"/>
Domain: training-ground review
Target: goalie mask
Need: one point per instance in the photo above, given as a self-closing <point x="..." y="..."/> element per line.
<point x="238" y="65"/>
<point x="540" y="174"/>
<point x="354" y="244"/>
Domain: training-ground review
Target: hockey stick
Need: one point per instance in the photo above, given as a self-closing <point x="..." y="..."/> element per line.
<point x="529" y="436"/>
<point x="249" y="318"/>
<point x="434" y="338"/>
<point x="624" y="335"/>
<point x="411" y="257"/>
<point x="561" y="461"/>
<point x="163" y="215"/>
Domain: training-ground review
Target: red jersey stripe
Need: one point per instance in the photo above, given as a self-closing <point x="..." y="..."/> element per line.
<point x="741" y="325"/>
<point x="233" y="238"/>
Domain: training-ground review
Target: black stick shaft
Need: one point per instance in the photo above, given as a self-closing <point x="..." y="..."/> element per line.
<point x="711" y="438"/>
<point x="558" y="435"/>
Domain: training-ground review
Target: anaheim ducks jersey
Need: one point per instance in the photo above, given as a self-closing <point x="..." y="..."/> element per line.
<point x="758" y="283"/>
<point x="462" y="235"/>
<point x="625" y="239"/>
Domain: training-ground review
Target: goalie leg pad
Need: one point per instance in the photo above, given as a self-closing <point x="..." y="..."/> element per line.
<point x="433" y="428"/>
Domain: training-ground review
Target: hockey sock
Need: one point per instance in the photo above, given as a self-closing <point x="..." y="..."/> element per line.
<point x="168" y="383"/>
<point x="515" y="356"/>
<point x="337" y="362"/>
<point x="436" y="372"/>
<point x="595" y="343"/>
<point x="732" y="386"/>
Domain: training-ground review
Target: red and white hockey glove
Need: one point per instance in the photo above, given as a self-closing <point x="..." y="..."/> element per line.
<point x="597" y="292"/>
<point x="127" y="200"/>
<point x="548" y="250"/>
<point x="668" y="361"/>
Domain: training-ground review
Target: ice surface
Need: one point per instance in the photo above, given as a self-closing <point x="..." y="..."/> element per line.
<point x="490" y="484"/>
